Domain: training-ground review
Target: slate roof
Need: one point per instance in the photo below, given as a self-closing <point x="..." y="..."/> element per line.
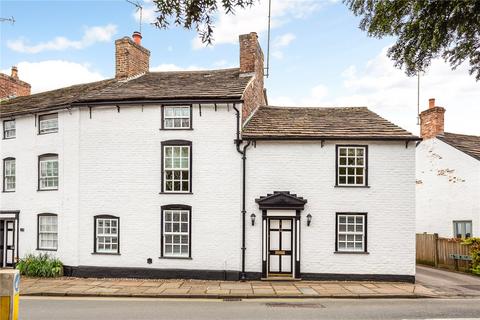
<point x="171" y="85"/>
<point x="321" y="123"/>
<point x="465" y="143"/>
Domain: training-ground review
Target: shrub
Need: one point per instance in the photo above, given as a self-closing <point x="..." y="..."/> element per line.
<point x="42" y="265"/>
<point x="475" y="253"/>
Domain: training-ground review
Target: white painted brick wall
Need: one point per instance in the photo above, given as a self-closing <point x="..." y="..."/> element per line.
<point x="442" y="196"/>
<point x="110" y="164"/>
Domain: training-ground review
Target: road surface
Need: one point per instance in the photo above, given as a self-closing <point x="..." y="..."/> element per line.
<point x="45" y="308"/>
<point x="448" y="282"/>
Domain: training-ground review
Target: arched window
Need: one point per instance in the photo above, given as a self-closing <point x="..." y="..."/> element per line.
<point x="48" y="172"/>
<point x="176" y="231"/>
<point x="177" y="166"/>
<point x="106" y="234"/>
<point x="9" y="175"/>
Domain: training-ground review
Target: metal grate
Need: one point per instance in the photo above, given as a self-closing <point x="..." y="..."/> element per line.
<point x="293" y="305"/>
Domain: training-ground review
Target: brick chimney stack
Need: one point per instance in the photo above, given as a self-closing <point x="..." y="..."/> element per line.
<point x="11" y="86"/>
<point x="432" y="121"/>
<point x="131" y="59"/>
<point x="251" y="64"/>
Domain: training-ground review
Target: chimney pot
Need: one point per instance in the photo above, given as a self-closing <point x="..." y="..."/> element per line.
<point x="137" y="37"/>
<point x="14" y="72"/>
<point x="431" y="103"/>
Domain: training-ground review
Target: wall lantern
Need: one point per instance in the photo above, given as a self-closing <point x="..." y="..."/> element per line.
<point x="309" y="219"/>
<point x="252" y="217"/>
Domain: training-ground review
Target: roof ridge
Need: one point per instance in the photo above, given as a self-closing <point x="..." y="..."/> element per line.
<point x="311" y="107"/>
<point x="462" y="134"/>
<point x="193" y="71"/>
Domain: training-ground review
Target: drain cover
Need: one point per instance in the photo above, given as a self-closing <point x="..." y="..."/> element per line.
<point x="293" y="305"/>
<point x="232" y="299"/>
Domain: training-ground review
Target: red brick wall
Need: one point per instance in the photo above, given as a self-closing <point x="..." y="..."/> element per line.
<point x="131" y="59"/>
<point x="432" y="122"/>
<point x="251" y="63"/>
<point x="10" y="86"/>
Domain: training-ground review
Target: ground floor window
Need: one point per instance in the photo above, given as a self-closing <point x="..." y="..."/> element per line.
<point x="176" y="227"/>
<point x="462" y="229"/>
<point x="351" y="232"/>
<point x="107" y="231"/>
<point x="47" y="231"/>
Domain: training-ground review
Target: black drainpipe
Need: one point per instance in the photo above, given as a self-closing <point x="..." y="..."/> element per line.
<point x="238" y="142"/>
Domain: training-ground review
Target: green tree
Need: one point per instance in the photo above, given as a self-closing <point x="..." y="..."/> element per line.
<point x="198" y="14"/>
<point x="425" y="29"/>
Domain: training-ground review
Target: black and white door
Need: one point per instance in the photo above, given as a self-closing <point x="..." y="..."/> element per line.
<point x="280" y="247"/>
<point x="7" y="243"/>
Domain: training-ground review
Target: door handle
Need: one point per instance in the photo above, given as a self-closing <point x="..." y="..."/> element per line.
<point x="280" y="252"/>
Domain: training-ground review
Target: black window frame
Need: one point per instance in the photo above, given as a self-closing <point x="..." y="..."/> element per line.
<point x="365" y="228"/>
<point x="337" y="147"/>
<point x="174" y="143"/>
<point x="105" y="216"/>
<point x="38" y="171"/>
<point x="4" y="131"/>
<point x="38" y="230"/>
<point x="176" y="207"/>
<point x="162" y="127"/>
<point x="47" y="114"/>
<point x="454" y="222"/>
<point x="4" y="176"/>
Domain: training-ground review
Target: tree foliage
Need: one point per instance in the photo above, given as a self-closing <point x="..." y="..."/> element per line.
<point x="425" y="29"/>
<point x="198" y="14"/>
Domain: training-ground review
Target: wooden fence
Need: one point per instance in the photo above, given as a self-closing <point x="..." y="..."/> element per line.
<point x="435" y="251"/>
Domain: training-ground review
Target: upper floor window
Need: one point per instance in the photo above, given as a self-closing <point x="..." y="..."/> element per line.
<point x="462" y="229"/>
<point x="48" y="123"/>
<point x="48" y="172"/>
<point x="47" y="231"/>
<point x="9" y="174"/>
<point x="176" y="166"/>
<point x="9" y="130"/>
<point x="177" y="117"/>
<point x="351" y="232"/>
<point x="351" y="166"/>
<point x="107" y="234"/>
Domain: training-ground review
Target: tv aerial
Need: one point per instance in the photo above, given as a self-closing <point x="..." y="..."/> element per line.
<point x="11" y="20"/>
<point x="139" y="9"/>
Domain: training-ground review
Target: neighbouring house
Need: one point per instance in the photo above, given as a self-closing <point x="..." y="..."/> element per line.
<point x="190" y="174"/>
<point x="11" y="86"/>
<point x="448" y="178"/>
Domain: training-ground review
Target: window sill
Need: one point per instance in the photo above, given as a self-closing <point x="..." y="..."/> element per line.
<point x="175" y="129"/>
<point x="176" y="258"/>
<point x="40" y="249"/>
<point x="47" y="189"/>
<point x="6" y="191"/>
<point x="44" y="133"/>
<point x="338" y="186"/>
<point x="175" y="193"/>
<point x="351" y="252"/>
<point x="107" y="253"/>
<point x="9" y="138"/>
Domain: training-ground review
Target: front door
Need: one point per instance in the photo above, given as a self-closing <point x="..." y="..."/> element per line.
<point x="7" y="243"/>
<point x="280" y="247"/>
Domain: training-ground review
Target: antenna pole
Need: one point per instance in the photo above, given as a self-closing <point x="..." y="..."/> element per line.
<point x="139" y="8"/>
<point x="418" y="98"/>
<point x="268" y="37"/>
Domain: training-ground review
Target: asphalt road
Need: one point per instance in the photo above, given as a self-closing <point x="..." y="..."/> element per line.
<point x="44" y="308"/>
<point x="448" y="282"/>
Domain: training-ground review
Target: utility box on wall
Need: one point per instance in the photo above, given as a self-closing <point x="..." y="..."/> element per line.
<point x="9" y="294"/>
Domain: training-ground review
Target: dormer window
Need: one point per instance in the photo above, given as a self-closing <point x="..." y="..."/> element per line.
<point x="177" y="117"/>
<point x="48" y="123"/>
<point x="9" y="130"/>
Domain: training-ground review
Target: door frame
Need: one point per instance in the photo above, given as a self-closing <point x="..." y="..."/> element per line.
<point x="12" y="215"/>
<point x="292" y="246"/>
<point x="294" y="216"/>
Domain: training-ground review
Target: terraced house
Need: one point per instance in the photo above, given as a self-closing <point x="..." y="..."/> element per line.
<point x="191" y="174"/>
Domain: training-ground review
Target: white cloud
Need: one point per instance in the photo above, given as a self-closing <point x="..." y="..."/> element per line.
<point x="174" y="67"/>
<point x="281" y="42"/>
<point x="389" y="92"/>
<point x="228" y="27"/>
<point x="53" y="74"/>
<point x="91" y="36"/>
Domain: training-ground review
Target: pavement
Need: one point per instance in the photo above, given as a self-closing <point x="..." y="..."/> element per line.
<point x="81" y="308"/>
<point x="431" y="283"/>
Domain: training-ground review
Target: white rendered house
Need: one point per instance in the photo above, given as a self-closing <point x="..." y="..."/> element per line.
<point x="191" y="174"/>
<point x="448" y="179"/>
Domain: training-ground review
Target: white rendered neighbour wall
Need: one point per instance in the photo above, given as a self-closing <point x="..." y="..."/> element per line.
<point x="308" y="170"/>
<point x="448" y="188"/>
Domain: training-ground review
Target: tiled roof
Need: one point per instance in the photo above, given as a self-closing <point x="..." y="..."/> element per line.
<point x="174" y="85"/>
<point x="465" y="143"/>
<point x="321" y="123"/>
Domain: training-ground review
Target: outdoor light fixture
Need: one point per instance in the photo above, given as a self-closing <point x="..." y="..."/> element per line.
<point x="252" y="217"/>
<point x="309" y="219"/>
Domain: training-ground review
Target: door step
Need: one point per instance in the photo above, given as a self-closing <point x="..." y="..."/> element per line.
<point x="280" y="279"/>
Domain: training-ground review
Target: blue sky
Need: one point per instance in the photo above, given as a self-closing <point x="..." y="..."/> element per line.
<point x="318" y="55"/>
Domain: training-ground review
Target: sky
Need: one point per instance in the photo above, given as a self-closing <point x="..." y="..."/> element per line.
<point x="318" y="55"/>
